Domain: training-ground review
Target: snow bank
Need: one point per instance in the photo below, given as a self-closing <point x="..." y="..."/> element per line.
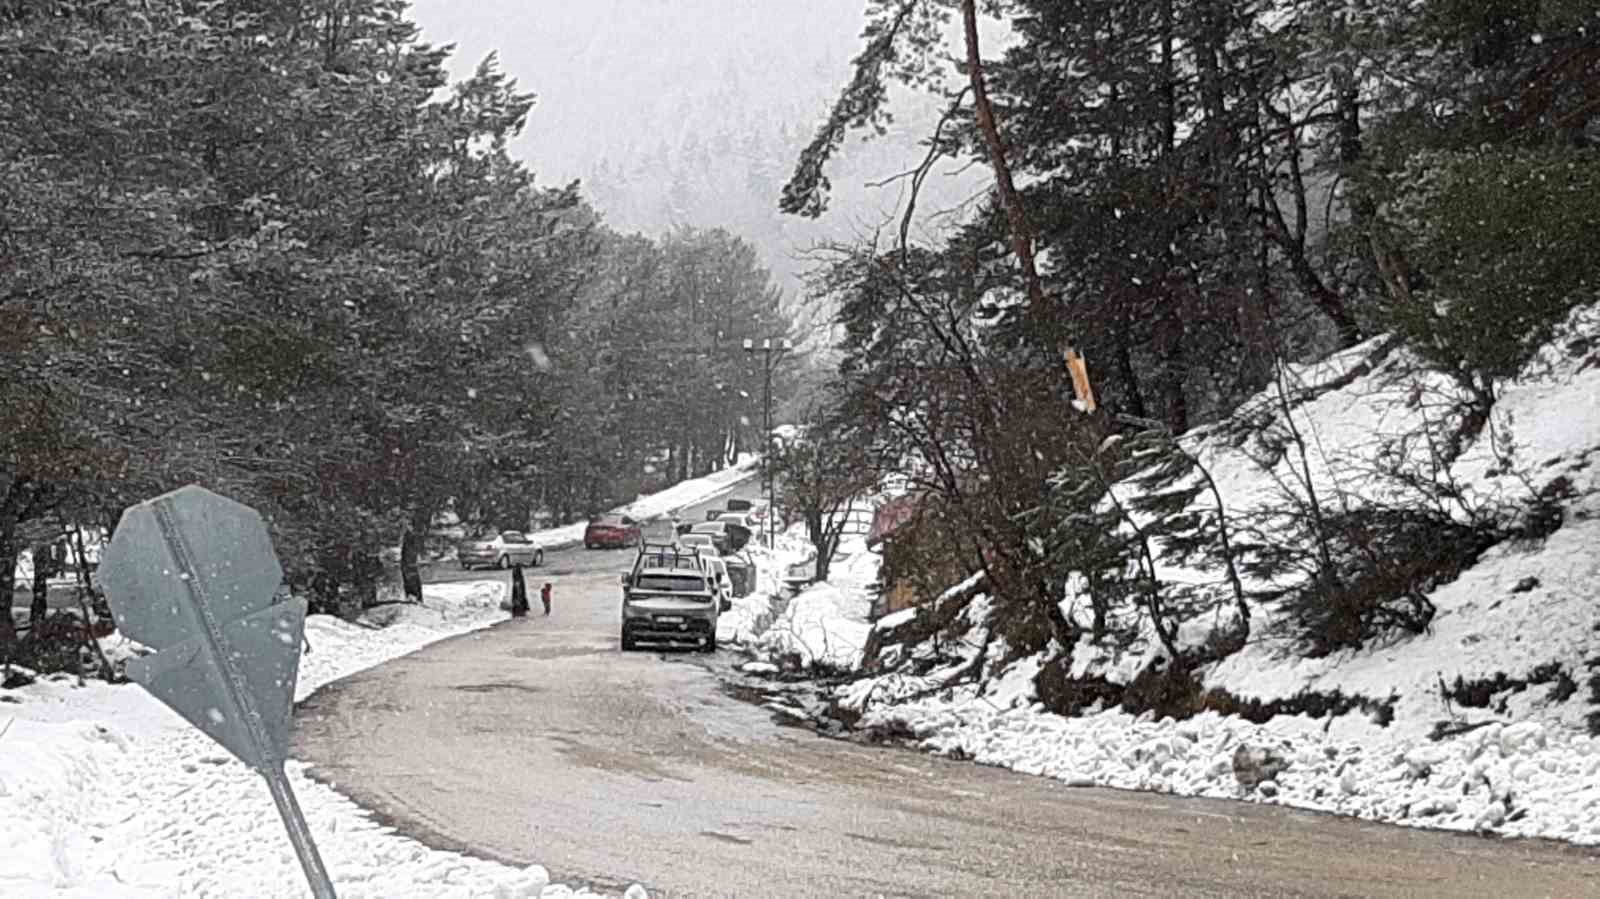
<point x="106" y="792"/>
<point x="754" y="613"/>
<point x="1522" y="606"/>
<point x="1518" y="629"/>
<point x="827" y="623"/>
<point x="1524" y="779"/>
<point x="693" y="491"/>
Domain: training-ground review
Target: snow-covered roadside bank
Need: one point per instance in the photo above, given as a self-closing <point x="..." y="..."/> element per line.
<point x="1525" y="779"/>
<point x="1484" y="720"/>
<point x="825" y="625"/>
<point x="107" y="793"/>
<point x="753" y="614"/>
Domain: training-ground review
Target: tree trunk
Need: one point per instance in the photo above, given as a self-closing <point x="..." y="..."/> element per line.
<point x="44" y="568"/>
<point x="1133" y="394"/>
<point x="11" y="504"/>
<point x="1173" y="374"/>
<point x="8" y="583"/>
<point x="1387" y="263"/>
<point x="1169" y="86"/>
<point x="367" y="571"/>
<point x="823" y="532"/>
<point x="1169" y="379"/>
<point x="1010" y="200"/>
<point x="411" y="544"/>
<point x="825" y="542"/>
<point x="328" y="582"/>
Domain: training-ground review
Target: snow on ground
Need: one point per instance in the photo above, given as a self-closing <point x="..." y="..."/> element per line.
<point x="752" y="614"/>
<point x="827" y="623"/>
<point x="106" y="793"/>
<point x="1521" y="606"/>
<point x="1524" y="779"/>
<point x="692" y="491"/>
<point x="1524" y="765"/>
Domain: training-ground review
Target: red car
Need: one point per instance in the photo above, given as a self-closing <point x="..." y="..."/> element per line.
<point x="612" y="531"/>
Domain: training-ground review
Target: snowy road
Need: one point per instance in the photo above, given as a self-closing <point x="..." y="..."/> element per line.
<point x="537" y="741"/>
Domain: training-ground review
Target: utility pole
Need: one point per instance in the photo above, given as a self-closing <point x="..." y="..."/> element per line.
<point x="772" y="352"/>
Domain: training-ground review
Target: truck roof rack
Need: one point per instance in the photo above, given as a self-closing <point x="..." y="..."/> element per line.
<point x="667" y="555"/>
<point x="658" y="546"/>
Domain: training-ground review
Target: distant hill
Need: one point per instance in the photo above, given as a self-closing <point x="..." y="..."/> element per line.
<point x="692" y="112"/>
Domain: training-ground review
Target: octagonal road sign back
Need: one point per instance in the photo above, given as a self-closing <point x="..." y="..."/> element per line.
<point x="193" y="575"/>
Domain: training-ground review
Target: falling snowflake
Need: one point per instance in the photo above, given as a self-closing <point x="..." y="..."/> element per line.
<point x="537" y="354"/>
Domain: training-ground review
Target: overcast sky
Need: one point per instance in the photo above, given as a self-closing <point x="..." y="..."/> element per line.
<point x="611" y="74"/>
<point x="690" y="112"/>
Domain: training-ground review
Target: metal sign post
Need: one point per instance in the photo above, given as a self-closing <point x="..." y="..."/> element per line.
<point x="193" y="575"/>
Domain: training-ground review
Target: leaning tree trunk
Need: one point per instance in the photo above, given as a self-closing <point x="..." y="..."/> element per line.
<point x="1010" y="200"/>
<point x="1022" y="233"/>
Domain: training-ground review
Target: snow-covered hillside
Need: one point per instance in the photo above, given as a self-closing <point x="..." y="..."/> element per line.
<point x="1483" y="721"/>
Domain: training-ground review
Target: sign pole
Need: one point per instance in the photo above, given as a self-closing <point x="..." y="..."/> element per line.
<point x="294" y="821"/>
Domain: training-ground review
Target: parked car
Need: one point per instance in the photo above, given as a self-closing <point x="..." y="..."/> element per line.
<point x="698" y="541"/>
<point x="504" y="550"/>
<point x="728" y="536"/>
<point x="670" y="605"/>
<point x="615" y="531"/>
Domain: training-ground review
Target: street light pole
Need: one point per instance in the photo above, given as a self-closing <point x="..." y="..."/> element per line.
<point x="771" y="352"/>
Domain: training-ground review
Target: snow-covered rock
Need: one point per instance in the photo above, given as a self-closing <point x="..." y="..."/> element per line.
<point x="1524" y="734"/>
<point x="1253" y="765"/>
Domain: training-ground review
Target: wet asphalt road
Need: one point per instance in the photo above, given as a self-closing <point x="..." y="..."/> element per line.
<point x="539" y="741"/>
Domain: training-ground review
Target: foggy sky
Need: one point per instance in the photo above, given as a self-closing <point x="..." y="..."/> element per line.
<point x="692" y="112"/>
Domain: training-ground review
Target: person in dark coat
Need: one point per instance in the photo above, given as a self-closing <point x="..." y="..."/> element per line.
<point x="519" y="593"/>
